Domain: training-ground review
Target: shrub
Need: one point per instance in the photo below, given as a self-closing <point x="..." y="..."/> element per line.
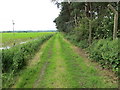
<point x="105" y="51"/>
<point x="74" y="39"/>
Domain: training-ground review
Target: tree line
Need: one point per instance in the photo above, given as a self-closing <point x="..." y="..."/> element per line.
<point x="89" y="20"/>
<point x="94" y="26"/>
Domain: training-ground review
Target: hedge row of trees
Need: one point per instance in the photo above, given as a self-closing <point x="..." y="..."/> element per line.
<point x="94" y="26"/>
<point x="96" y="20"/>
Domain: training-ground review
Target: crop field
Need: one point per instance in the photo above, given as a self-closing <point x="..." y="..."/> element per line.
<point x="9" y="38"/>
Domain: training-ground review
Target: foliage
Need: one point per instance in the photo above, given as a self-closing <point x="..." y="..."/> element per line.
<point x="106" y="53"/>
<point x="93" y="22"/>
<point x="15" y="58"/>
<point x="74" y="17"/>
<point x="74" y="39"/>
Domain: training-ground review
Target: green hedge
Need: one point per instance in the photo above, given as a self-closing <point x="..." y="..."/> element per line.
<point x="15" y="58"/>
<point x="76" y="41"/>
<point x="106" y="52"/>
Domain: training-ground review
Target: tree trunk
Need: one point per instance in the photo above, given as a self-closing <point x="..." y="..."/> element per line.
<point x="88" y="14"/>
<point x="115" y="21"/>
<point x="115" y="26"/>
<point x="90" y="25"/>
<point x="90" y="33"/>
<point x="75" y="18"/>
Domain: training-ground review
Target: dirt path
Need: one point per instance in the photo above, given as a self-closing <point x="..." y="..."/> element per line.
<point x="62" y="65"/>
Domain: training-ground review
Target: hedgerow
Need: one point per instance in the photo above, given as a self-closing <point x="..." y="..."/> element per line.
<point x="15" y="58"/>
<point x="106" y="52"/>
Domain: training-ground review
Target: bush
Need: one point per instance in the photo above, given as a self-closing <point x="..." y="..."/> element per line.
<point x="83" y="44"/>
<point x="105" y="51"/>
<point x="74" y="39"/>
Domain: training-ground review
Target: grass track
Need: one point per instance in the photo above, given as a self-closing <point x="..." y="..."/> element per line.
<point x="60" y="66"/>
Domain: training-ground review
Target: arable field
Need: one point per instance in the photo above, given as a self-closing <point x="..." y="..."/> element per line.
<point x="60" y="64"/>
<point x="9" y="39"/>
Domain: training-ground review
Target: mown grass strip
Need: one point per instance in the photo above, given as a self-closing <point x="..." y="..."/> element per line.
<point x="56" y="75"/>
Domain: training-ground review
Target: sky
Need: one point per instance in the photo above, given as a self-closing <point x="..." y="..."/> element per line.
<point x="28" y="14"/>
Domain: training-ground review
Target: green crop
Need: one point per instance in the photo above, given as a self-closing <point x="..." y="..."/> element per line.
<point x="9" y="38"/>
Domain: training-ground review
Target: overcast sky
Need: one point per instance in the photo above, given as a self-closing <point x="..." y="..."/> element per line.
<point x="28" y="14"/>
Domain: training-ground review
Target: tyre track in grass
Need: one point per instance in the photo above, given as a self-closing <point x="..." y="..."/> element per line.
<point x="56" y="74"/>
<point x="47" y="54"/>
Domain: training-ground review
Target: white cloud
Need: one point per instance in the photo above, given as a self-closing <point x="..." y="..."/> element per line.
<point x="27" y="14"/>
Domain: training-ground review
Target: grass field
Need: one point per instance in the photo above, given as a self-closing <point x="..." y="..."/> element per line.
<point x="9" y="38"/>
